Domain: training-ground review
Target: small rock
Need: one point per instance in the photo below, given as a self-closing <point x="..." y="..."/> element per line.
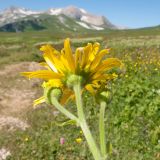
<point x="4" y="153"/>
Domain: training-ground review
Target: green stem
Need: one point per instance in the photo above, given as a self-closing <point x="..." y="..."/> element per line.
<point x="63" y="110"/>
<point x="102" y="128"/>
<point x="82" y="121"/>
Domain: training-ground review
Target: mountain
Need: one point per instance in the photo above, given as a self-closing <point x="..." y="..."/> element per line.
<point x="83" y="16"/>
<point x="11" y="14"/>
<point x="16" y="19"/>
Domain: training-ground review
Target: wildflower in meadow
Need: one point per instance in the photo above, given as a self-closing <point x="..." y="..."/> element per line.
<point x="62" y="140"/>
<point x="79" y="140"/>
<point x="67" y="75"/>
<point x="87" y="62"/>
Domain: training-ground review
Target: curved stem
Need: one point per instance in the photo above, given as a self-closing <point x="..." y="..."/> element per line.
<point x="63" y="110"/>
<point x="102" y="128"/>
<point x="82" y="121"/>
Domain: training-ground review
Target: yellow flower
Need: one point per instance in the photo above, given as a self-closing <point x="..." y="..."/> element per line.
<point x="126" y="75"/>
<point x="26" y="139"/>
<point x="78" y="140"/>
<point x="87" y="62"/>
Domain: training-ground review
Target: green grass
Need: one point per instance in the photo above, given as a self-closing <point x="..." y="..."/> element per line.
<point x="132" y="116"/>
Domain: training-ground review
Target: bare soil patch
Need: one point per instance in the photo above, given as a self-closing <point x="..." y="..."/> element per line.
<point x="16" y="94"/>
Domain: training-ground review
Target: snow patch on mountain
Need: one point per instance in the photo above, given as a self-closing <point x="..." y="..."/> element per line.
<point x="89" y="26"/>
<point x="85" y="19"/>
<point x="95" y="20"/>
<point x="26" y="12"/>
<point x="97" y="28"/>
<point x="14" y="13"/>
<point x="83" y="11"/>
<point x="61" y="19"/>
<point x="55" y="11"/>
<point x="78" y="14"/>
<point x="84" y="25"/>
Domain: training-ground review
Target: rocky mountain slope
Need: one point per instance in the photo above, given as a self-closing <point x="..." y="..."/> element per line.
<point x="16" y="19"/>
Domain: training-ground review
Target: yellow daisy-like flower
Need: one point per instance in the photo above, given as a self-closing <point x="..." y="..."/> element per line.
<point x="87" y="62"/>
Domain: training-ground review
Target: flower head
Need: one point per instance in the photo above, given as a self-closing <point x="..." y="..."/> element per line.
<point x="62" y="140"/>
<point x="87" y="62"/>
<point x="79" y="140"/>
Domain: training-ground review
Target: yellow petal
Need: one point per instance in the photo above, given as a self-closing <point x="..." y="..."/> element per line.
<point x="59" y="64"/>
<point x="78" y="56"/>
<point x="94" y="51"/>
<point x="39" y="101"/>
<point x="98" y="58"/>
<point x="48" y="48"/>
<point x="67" y="94"/>
<point x="90" y="88"/>
<point x="44" y="64"/>
<point x="65" y="62"/>
<point x="91" y="53"/>
<point x="101" y="77"/>
<point x="97" y="75"/>
<point x="85" y="55"/>
<point x="69" y="55"/>
<point x="52" y="57"/>
<point x="52" y="83"/>
<point x="108" y="64"/>
<point x="49" y="54"/>
<point x="42" y="74"/>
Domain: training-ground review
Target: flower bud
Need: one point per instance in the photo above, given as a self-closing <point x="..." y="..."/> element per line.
<point x="49" y="93"/>
<point x="62" y="140"/>
<point x="73" y="79"/>
<point x="103" y="96"/>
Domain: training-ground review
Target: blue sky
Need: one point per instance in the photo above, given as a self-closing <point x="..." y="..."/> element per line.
<point x="131" y="13"/>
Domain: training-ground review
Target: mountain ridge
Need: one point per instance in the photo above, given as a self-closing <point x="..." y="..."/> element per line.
<point x="84" y="19"/>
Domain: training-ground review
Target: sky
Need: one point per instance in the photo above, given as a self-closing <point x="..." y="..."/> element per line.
<point x="128" y="13"/>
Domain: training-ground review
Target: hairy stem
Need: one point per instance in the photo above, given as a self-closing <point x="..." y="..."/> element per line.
<point x="83" y="124"/>
<point x="55" y="102"/>
<point x="102" y="128"/>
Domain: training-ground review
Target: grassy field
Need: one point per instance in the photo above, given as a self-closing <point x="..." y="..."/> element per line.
<point x="132" y="116"/>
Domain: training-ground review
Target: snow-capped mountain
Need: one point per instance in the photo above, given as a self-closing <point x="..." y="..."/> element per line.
<point x="83" y="16"/>
<point x="80" y="16"/>
<point x="12" y="14"/>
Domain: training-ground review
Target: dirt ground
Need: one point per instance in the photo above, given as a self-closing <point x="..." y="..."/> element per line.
<point x="16" y="98"/>
<point x="16" y="94"/>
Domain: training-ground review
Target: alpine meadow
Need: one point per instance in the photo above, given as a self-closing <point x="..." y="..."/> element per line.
<point x="74" y="86"/>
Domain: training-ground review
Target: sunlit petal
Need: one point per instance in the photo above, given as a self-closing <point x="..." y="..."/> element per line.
<point x="42" y="74"/>
<point x="69" y="54"/>
<point x="39" y="101"/>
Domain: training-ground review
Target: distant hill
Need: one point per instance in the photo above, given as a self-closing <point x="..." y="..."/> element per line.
<point x="71" y="18"/>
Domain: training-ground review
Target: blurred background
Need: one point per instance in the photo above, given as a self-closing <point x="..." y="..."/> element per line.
<point x="131" y="29"/>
